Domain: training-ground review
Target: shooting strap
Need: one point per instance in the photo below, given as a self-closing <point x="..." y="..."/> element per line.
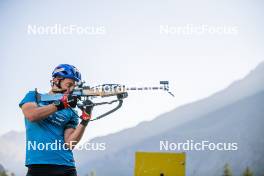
<point x="37" y="96"/>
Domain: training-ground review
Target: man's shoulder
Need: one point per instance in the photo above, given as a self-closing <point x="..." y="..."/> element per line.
<point x="29" y="97"/>
<point x="31" y="92"/>
<point x="35" y="92"/>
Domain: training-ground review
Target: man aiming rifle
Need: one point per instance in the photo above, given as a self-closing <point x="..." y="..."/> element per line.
<point x="47" y="122"/>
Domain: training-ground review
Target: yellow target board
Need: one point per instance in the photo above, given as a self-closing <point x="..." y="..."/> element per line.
<point x="159" y="164"/>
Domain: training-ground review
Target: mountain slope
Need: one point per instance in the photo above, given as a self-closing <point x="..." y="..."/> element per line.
<point x="12" y="152"/>
<point x="250" y="85"/>
<point x="241" y="123"/>
<point x="2" y="168"/>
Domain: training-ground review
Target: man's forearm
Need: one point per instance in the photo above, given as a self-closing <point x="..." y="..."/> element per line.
<point x="34" y="114"/>
<point x="73" y="138"/>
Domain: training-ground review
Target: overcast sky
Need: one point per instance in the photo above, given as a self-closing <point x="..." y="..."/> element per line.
<point x="126" y="43"/>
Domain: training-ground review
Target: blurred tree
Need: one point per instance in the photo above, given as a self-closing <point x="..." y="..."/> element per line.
<point x="247" y="172"/>
<point x="93" y="173"/>
<point x="3" y="173"/>
<point x="227" y="170"/>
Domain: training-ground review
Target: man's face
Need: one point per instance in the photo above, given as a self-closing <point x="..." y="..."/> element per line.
<point x="66" y="84"/>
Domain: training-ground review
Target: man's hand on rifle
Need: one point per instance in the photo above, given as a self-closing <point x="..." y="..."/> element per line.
<point x="86" y="112"/>
<point x="66" y="101"/>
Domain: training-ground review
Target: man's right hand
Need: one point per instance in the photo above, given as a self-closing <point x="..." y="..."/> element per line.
<point x="66" y="101"/>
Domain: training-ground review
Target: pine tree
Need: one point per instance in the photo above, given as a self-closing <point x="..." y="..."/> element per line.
<point x="227" y="170"/>
<point x="3" y="173"/>
<point x="247" y="172"/>
<point x="93" y="173"/>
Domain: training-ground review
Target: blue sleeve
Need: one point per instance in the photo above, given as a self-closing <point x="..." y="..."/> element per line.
<point x="30" y="97"/>
<point x="73" y="122"/>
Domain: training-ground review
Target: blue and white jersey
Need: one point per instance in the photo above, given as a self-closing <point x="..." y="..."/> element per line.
<point x="45" y="138"/>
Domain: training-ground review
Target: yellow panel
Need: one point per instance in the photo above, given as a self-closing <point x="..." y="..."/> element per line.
<point x="159" y="164"/>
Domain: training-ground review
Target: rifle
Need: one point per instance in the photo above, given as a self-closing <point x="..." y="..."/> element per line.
<point x="83" y="93"/>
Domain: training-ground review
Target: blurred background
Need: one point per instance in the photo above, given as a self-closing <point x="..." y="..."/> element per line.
<point x="204" y="48"/>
